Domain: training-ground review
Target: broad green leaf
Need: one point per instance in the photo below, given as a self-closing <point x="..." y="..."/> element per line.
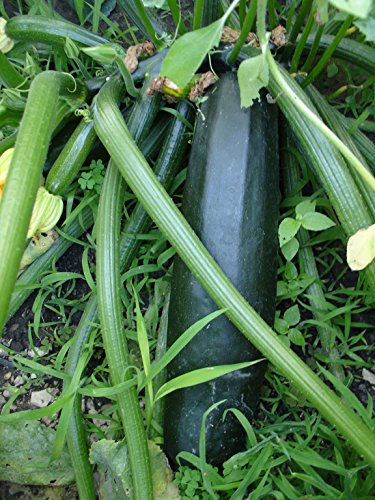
<point x="188" y="52"/>
<point x="367" y="26"/>
<point x="103" y="54"/>
<point x="292" y="315"/>
<point x="287" y="230"/>
<point x="322" y="11"/>
<point x="200" y="376"/>
<point x="305" y="207"/>
<point x="357" y="8"/>
<point x="361" y="248"/>
<point x="112" y="459"/>
<point x="314" y="221"/>
<point x="25" y="450"/>
<point x="253" y="75"/>
<point x="290" y="249"/>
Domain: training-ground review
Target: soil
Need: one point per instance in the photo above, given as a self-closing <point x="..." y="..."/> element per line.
<point x="17" y="331"/>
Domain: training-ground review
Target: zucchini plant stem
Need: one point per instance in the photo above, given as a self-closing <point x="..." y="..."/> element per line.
<point x="24" y="176"/>
<point x="313" y="50"/>
<point x="198" y="13"/>
<point x="76" y="435"/>
<point x="327" y="53"/>
<point x="305" y="7"/>
<point x="245" y="30"/>
<point x="316" y="120"/>
<point x="177" y="16"/>
<point x="302" y="40"/>
<point x="113" y="132"/>
<point x="112" y="329"/>
<point x="334" y="123"/>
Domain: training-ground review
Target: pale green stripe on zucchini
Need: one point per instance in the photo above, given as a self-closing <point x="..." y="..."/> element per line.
<point x="112" y="130"/>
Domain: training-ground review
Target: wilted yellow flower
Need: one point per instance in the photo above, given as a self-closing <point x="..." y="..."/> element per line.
<point x="6" y="43"/>
<point x="47" y="208"/>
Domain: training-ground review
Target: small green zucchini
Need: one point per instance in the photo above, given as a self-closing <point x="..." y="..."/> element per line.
<point x="231" y="202"/>
<point x="50" y="31"/>
<point x="71" y="158"/>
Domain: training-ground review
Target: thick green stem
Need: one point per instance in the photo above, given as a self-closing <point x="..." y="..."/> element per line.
<point x="112" y="329"/>
<point x="328" y="53"/>
<point x="261" y="22"/>
<point x="24" y="176"/>
<point x="310" y="115"/>
<point x="114" y="134"/>
<point x="245" y="30"/>
<point x="198" y="11"/>
<point x="177" y="17"/>
<point x="76" y="435"/>
<point x="314" y="47"/>
<point x="334" y="123"/>
<point x="303" y="10"/>
<point x="301" y="42"/>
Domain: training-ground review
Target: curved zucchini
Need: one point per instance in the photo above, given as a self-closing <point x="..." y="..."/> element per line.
<point x="50" y="31"/>
<point x="230" y="200"/>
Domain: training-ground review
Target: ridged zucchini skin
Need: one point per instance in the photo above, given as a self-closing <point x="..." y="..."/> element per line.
<point x="71" y="158"/>
<point x="231" y="201"/>
<point x="359" y="54"/>
<point x="50" y="31"/>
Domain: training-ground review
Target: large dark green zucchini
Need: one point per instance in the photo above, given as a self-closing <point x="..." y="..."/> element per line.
<point x="231" y="201"/>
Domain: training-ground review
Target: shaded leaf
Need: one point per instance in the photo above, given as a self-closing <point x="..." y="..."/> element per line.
<point x="25" y="450"/>
<point x="253" y="75"/>
<point x="296" y="337"/>
<point x="357" y="8"/>
<point x="367" y="26"/>
<point x="112" y="459"/>
<point x="292" y="315"/>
